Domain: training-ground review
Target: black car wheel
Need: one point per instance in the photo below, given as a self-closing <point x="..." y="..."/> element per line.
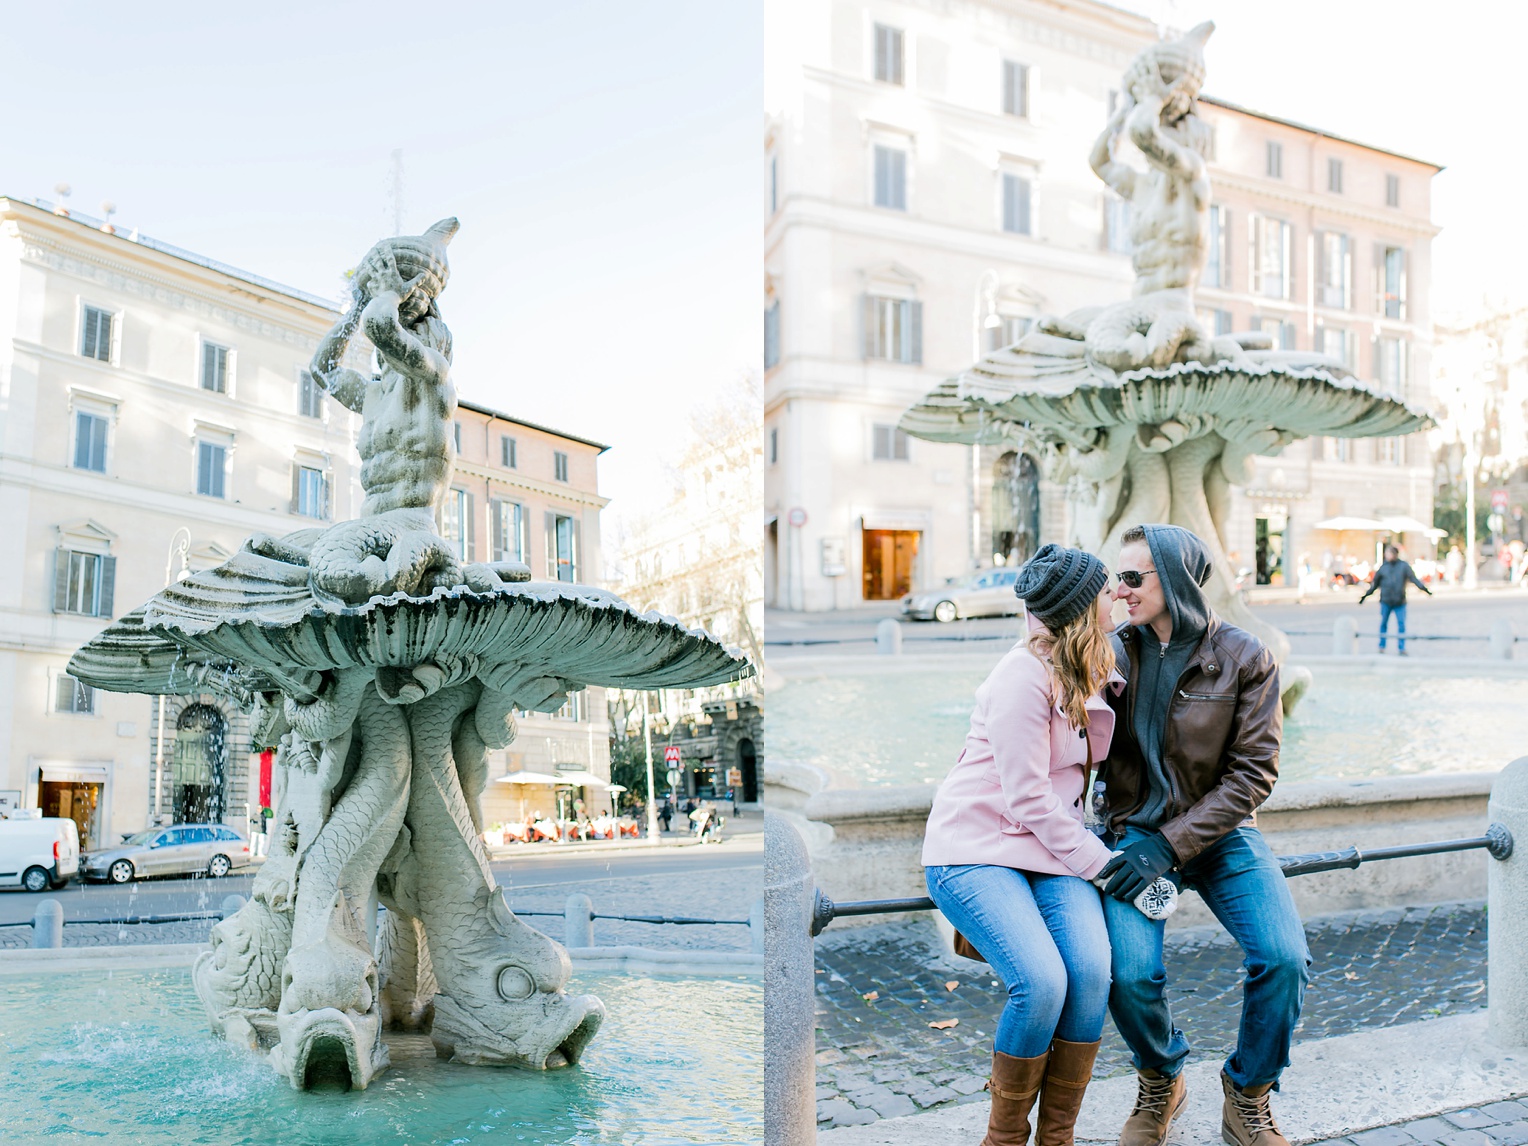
<point x="121" y="871"/>
<point x="219" y="866"/>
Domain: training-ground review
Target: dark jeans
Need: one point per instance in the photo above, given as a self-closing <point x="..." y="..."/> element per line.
<point x="1044" y="936"/>
<point x="1400" y="624"/>
<point x="1239" y="879"/>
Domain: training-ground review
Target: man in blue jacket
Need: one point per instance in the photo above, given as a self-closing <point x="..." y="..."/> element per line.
<point x="1390" y="581"/>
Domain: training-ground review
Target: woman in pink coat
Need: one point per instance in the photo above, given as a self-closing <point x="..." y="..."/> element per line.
<point x="1007" y="855"/>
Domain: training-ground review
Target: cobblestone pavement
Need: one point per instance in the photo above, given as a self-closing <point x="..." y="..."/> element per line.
<point x="879" y="988"/>
<point x="727" y="893"/>
<point x="1494" y="1124"/>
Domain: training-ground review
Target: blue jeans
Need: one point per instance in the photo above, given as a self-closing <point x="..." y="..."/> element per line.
<point x="1239" y="879"/>
<point x="1045" y="937"/>
<point x="1400" y="624"/>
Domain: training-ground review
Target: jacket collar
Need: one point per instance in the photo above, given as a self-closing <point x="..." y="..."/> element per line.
<point x="1206" y="656"/>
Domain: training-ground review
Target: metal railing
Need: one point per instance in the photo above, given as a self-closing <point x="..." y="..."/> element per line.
<point x="1497" y="841"/>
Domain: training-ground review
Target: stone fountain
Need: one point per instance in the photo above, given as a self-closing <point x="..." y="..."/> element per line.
<point x="384" y="670"/>
<point x="1140" y="411"/>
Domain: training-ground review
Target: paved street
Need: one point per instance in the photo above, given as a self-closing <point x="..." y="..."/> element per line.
<point x="1452" y="613"/>
<point x="1494" y="1124"/>
<point x="712" y="881"/>
<point x="878" y="1058"/>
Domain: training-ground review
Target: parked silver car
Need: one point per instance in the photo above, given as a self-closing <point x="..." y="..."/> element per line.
<point x="985" y="593"/>
<point x="176" y="850"/>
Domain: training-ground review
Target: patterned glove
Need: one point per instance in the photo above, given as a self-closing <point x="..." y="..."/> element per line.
<point x="1138" y="866"/>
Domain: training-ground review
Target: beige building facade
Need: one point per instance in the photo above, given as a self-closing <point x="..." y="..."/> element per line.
<point x="523" y="492"/>
<point x="928" y="195"/>
<point x="156" y="411"/>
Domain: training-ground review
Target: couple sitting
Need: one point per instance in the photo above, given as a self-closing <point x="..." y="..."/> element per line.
<point x="1180" y="713"/>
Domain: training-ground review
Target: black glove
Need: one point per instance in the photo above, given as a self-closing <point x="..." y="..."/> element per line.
<point x="1138" y="866"/>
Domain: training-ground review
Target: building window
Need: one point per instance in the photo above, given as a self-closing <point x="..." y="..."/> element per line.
<point x="561" y="547"/>
<point x="211" y="466"/>
<point x="1334" y="176"/>
<point x="890" y="178"/>
<point x="1389" y="451"/>
<point x="72" y="695"/>
<point x="508" y="531"/>
<point x="573" y="709"/>
<point x="1282" y="333"/>
<point x="1392" y="190"/>
<point x="310" y="396"/>
<point x="1016" y="89"/>
<point x="888" y="444"/>
<point x="888" y="54"/>
<point x="508" y="453"/>
<point x="458" y="523"/>
<point x="774" y="445"/>
<point x="1008" y="331"/>
<point x="310" y="492"/>
<point x="214" y="368"/>
<point x="1344" y="450"/>
<point x="1117" y="225"/>
<point x="83" y="583"/>
<point x="1016" y="204"/>
<point x="1270" y="257"/>
<point x="1220" y="322"/>
<point x="559" y="465"/>
<point x="1217" y="269"/>
<point x="89" y="442"/>
<point x="1392" y="275"/>
<point x="1390" y="363"/>
<point x="1338" y="344"/>
<point x="95" y="337"/>
<point x="894" y="329"/>
<point x="1275" y="160"/>
<point x="1335" y="274"/>
<point x="772" y="335"/>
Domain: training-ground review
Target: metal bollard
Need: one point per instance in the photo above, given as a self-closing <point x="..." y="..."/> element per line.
<point x="231" y="905"/>
<point x="1344" y="637"/>
<point x="578" y="921"/>
<point x="1507" y="908"/>
<point x="790" y="1107"/>
<point x="1501" y="640"/>
<point x="756" y="928"/>
<point x="888" y="637"/>
<point x="48" y="924"/>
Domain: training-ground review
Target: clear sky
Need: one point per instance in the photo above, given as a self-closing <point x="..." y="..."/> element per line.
<point x="1438" y="81"/>
<point x="603" y="158"/>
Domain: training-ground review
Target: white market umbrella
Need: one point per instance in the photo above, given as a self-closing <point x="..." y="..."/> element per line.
<point x="524" y="779"/>
<point x="1352" y="525"/>
<point x="582" y="779"/>
<point x="1404" y="524"/>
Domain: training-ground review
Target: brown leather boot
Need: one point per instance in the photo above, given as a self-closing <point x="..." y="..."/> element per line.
<point x="1066" y="1078"/>
<point x="1014" y="1084"/>
<point x="1157" y="1102"/>
<point x="1246" y="1119"/>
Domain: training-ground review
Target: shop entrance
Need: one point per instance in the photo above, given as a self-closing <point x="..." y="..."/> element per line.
<point x="889" y="558"/>
<point x="748" y="764"/>
<point x="77" y="800"/>
<point x="1270" y="546"/>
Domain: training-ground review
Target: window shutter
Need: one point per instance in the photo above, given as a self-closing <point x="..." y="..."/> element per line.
<point x="296" y="487"/>
<point x="551" y="546"/>
<point x="1225" y="249"/>
<point x="328" y="488"/>
<point x="577" y="555"/>
<point x="1379" y="278"/>
<point x="1405" y="266"/>
<point x="108" y="586"/>
<point x="915" y="332"/>
<point x="867" y="325"/>
<point x="469" y="549"/>
<point x="61" y="580"/>
<point x="1021" y="194"/>
<point x="1286" y="236"/>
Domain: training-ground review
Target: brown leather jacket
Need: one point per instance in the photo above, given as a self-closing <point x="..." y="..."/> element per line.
<point x="1221" y="749"/>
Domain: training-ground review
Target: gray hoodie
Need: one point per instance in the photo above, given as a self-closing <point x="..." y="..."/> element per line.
<point x="1183" y="565"/>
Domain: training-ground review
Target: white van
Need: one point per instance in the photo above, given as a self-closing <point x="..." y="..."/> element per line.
<point x="38" y="853"/>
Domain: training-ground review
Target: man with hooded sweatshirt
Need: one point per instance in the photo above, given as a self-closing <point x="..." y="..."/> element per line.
<point x="1196" y="751"/>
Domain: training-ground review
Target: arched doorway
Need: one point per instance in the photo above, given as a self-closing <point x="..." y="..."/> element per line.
<point x="199" y="765"/>
<point x="748" y="764"/>
<point x="1015" y="508"/>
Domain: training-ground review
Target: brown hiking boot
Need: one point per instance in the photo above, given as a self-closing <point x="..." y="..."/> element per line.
<point x="1066" y="1078"/>
<point x="1014" y="1084"/>
<point x="1246" y="1119"/>
<point x="1157" y="1102"/>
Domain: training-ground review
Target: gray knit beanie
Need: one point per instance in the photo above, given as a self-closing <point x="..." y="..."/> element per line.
<point x="1059" y="584"/>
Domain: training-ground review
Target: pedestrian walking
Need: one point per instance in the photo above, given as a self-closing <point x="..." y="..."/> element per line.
<point x="1389" y="581"/>
<point x="732" y="795"/>
<point x="1006" y="854"/>
<point x="665" y="814"/>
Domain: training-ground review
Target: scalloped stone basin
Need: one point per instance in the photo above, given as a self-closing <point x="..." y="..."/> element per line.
<point x="906" y="725"/>
<point x="124" y="1057"/>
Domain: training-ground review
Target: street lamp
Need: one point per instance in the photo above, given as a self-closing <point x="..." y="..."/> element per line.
<point x="180" y="543"/>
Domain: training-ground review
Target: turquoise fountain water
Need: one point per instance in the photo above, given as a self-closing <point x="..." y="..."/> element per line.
<point x="124" y="1058"/>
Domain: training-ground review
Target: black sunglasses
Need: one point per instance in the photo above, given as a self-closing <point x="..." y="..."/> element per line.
<point x="1131" y="578"/>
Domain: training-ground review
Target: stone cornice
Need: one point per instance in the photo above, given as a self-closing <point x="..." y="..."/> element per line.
<point x="1325" y="204"/>
<point x="553" y="491"/>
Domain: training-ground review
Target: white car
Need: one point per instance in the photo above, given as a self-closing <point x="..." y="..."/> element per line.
<point x="987" y="593"/>
<point x="38" y="853"/>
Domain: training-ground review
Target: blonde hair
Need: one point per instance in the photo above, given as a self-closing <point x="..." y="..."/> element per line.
<point x="1080" y="658"/>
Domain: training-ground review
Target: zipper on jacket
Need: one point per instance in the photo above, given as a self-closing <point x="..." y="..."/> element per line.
<point x="1203" y="695"/>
